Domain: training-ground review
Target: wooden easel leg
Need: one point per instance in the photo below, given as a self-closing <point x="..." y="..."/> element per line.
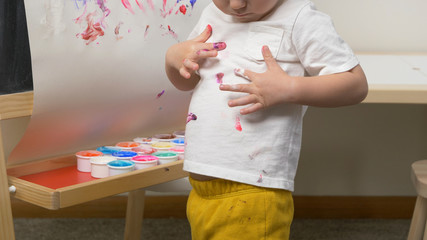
<point x="134" y="214"/>
<point x="7" y="231"/>
<point x="418" y="223"/>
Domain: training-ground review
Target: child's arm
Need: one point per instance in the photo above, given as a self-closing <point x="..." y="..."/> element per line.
<point x="182" y="59"/>
<point x="276" y="86"/>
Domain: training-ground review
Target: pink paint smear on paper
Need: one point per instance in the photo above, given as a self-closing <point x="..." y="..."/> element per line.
<point x="160" y="94"/>
<point x="183" y="9"/>
<point x="146" y="31"/>
<point x="127" y="5"/>
<point x="80" y="18"/>
<point x="169" y="31"/>
<point x="93" y="30"/>
<point x="150" y="3"/>
<point x="94" y="27"/>
<point x="140" y="5"/>
<point x="117" y="31"/>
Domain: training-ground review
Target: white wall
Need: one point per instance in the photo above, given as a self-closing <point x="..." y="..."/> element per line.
<point x="379" y="25"/>
<point x="367" y="149"/>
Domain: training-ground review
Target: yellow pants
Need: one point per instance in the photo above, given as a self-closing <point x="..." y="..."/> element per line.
<point x="226" y="210"/>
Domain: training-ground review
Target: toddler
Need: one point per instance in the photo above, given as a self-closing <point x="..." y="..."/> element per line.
<point x="254" y="66"/>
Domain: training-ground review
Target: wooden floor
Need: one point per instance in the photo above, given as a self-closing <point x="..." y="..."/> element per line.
<point x="174" y="206"/>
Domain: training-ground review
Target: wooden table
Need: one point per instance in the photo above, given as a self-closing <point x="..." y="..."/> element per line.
<point x="395" y="78"/>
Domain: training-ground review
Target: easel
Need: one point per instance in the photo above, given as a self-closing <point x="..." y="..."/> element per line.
<point x="20" y="105"/>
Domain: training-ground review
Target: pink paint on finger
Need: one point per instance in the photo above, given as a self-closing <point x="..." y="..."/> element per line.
<point x="219" y="45"/>
<point x="237" y="125"/>
<point x="128" y="6"/>
<point x="204" y="50"/>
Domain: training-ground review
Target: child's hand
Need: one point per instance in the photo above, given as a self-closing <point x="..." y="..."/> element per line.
<point x="266" y="89"/>
<point x="188" y="54"/>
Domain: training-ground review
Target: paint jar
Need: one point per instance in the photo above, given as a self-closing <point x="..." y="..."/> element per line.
<point x="179" y="141"/>
<point x="143" y="140"/>
<point x="166" y="157"/>
<point x="163" y="146"/>
<point x="83" y="159"/>
<point x="117" y="167"/>
<point x="124" y="155"/>
<point x="179" y="150"/>
<point x="127" y="146"/>
<point x="99" y="166"/>
<point x="108" y="150"/>
<point x="145" y="161"/>
<point x="179" y="134"/>
<point x="165" y="137"/>
<point x="144" y="150"/>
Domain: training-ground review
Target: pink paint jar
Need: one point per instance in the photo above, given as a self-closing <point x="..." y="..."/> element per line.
<point x="179" y="150"/>
<point x="163" y="146"/>
<point x="145" y="161"/>
<point x="144" y="150"/>
<point x="83" y="159"/>
<point x="100" y="167"/>
<point x="126" y="146"/>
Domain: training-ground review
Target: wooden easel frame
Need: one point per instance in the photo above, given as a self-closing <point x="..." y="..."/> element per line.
<point x="20" y="105"/>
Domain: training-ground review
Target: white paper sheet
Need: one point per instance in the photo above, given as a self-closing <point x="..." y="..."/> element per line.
<point x="98" y="71"/>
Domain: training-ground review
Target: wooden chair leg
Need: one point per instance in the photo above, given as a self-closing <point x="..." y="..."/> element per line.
<point x="418" y="222"/>
<point x="134" y="214"/>
<point x="6" y="220"/>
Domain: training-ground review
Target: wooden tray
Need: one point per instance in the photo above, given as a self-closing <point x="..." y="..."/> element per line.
<point x="56" y="183"/>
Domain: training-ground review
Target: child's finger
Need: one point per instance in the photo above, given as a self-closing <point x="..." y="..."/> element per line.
<point x="219" y="46"/>
<point x="190" y="64"/>
<point x="243" y="73"/>
<point x="248" y="99"/>
<point x="251" y="109"/>
<point x="206" y="53"/>
<point x="246" y="88"/>
<point x="205" y="35"/>
<point x="184" y="73"/>
<point x="268" y="58"/>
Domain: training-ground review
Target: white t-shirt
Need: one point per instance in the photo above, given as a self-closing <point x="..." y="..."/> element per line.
<point x="261" y="148"/>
